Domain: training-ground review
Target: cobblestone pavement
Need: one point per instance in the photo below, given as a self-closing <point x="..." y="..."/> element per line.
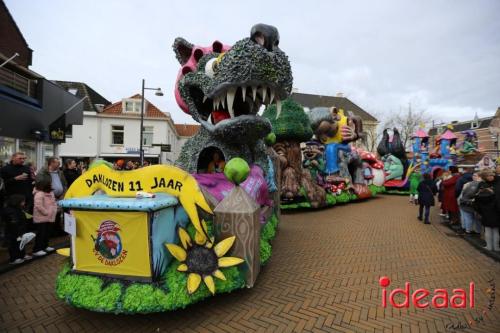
<point x="323" y="277"/>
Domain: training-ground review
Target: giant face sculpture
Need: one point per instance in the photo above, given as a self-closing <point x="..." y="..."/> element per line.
<point x="224" y="87"/>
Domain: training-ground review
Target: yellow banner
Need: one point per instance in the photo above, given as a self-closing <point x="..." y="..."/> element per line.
<point x="156" y="178"/>
<point x="112" y="243"/>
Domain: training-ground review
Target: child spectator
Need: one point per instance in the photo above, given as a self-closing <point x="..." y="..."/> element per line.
<point x="426" y="191"/>
<point x="15" y="227"/>
<point x="44" y="213"/>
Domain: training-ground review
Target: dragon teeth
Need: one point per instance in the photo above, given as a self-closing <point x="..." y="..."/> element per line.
<point x="271" y="98"/>
<point x="223" y="101"/>
<point x="204" y="99"/>
<point x="263" y="92"/>
<point x="254" y="92"/>
<point x="278" y="108"/>
<point x="243" y="92"/>
<point x="231" y="93"/>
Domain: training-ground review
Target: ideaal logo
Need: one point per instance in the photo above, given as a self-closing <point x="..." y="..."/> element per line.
<point x="440" y="299"/>
<point x="108" y="247"/>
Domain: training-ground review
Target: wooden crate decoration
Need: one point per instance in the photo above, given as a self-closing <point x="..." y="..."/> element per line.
<point x="239" y="215"/>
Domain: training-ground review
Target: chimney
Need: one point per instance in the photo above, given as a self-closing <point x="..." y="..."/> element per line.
<point x="339" y="94"/>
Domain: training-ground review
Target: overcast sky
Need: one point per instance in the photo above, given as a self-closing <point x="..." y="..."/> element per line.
<point x="441" y="56"/>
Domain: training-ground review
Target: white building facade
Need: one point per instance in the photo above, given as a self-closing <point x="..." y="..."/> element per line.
<point x="113" y="133"/>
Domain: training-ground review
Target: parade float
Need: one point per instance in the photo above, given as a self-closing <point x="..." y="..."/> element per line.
<point x="163" y="237"/>
<point x="320" y="165"/>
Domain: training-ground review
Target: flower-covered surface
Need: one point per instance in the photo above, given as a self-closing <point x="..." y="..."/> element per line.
<point x="331" y="199"/>
<point x="118" y="296"/>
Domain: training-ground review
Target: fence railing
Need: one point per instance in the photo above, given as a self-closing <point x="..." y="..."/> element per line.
<point x="18" y="82"/>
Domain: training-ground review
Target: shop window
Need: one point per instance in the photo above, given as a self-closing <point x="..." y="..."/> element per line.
<point x="7" y="148"/>
<point x="117" y="135"/>
<point x="29" y="148"/>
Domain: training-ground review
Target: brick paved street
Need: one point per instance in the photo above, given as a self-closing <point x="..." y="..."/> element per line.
<point x="323" y="277"/>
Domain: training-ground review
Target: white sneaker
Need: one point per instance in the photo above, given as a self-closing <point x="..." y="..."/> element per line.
<point x="27" y="257"/>
<point x="40" y="253"/>
<point x="17" y="261"/>
<point x="49" y="249"/>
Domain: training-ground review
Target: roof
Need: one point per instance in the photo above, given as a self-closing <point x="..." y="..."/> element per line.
<point x="187" y="130"/>
<point x="311" y="101"/>
<point x="151" y="112"/>
<point x="448" y="135"/>
<point x="83" y="90"/>
<point x="465" y="125"/>
<point x="420" y="133"/>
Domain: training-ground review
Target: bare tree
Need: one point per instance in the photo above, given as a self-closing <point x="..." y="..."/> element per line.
<point x="407" y="121"/>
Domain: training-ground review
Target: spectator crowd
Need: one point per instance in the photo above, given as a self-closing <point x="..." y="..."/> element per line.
<point x="469" y="201"/>
<point x="28" y="202"/>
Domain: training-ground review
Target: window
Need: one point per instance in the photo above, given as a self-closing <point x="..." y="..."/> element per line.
<point x="69" y="131"/>
<point x="117" y="133"/>
<point x="147" y="136"/>
<point x="72" y="91"/>
<point x="131" y="106"/>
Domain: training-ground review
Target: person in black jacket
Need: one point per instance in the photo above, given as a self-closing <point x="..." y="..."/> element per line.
<point x="71" y="172"/>
<point x="15" y="227"/>
<point x="18" y="179"/>
<point x="487" y="202"/>
<point x="426" y="191"/>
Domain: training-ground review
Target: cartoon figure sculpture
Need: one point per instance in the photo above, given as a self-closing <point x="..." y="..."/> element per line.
<point x="292" y="127"/>
<point x="223" y="88"/>
<point x="313" y="160"/>
<point x="393" y="167"/>
<point x="336" y="130"/>
<point x="393" y="154"/>
<point x="470" y="142"/>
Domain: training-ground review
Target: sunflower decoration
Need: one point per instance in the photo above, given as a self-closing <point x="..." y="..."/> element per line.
<point x="202" y="259"/>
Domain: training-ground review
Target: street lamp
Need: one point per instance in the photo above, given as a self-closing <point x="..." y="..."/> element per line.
<point x="157" y="93"/>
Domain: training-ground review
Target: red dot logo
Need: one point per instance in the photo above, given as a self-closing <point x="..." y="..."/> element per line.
<point x="384" y="281"/>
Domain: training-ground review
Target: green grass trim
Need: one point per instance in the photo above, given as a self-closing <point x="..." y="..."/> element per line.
<point x="332" y="200"/>
<point x="113" y="295"/>
<point x="267" y="234"/>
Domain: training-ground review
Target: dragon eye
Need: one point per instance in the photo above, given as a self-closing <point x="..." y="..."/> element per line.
<point x="210" y="67"/>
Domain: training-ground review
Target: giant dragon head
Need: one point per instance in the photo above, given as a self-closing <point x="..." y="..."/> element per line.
<point x="224" y="87"/>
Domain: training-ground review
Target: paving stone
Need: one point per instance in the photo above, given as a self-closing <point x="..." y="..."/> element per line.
<point x="323" y="277"/>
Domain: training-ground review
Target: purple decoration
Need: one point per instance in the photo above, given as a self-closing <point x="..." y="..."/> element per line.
<point x="255" y="185"/>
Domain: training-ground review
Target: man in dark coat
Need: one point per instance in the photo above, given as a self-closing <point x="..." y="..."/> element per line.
<point x="426" y="191"/>
<point x="18" y="179"/>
